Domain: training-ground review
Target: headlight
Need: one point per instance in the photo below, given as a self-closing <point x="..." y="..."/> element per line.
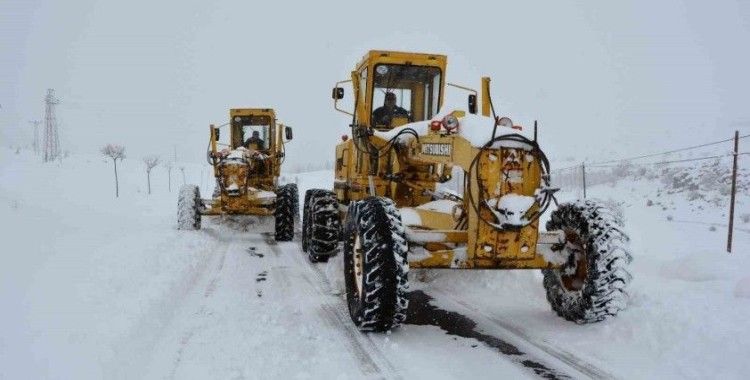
<point x="450" y="123"/>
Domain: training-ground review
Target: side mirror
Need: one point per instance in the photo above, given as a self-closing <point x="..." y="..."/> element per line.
<point x="216" y="134"/>
<point x="288" y="133"/>
<point x="337" y="93"/>
<point x="472" y="104"/>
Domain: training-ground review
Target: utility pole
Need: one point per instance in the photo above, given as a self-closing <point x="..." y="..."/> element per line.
<point x="583" y="171"/>
<point x="51" y="137"/>
<point x="36" y="123"/>
<point x="734" y="191"/>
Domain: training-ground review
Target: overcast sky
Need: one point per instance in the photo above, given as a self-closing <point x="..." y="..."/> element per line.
<point x="603" y="78"/>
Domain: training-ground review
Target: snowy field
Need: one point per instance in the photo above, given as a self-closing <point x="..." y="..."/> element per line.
<point x="97" y="287"/>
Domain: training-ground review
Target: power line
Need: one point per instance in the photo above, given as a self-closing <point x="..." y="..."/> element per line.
<point x="656" y="163"/>
<point x="569" y="167"/>
<point x="667" y="152"/>
<point x="600" y="163"/>
<point x="665" y="162"/>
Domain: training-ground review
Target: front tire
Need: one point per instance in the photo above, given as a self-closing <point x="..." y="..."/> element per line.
<point x="284" y="215"/>
<point x="189" y="205"/>
<point x="321" y="225"/>
<point x="590" y="287"/>
<point x="375" y="265"/>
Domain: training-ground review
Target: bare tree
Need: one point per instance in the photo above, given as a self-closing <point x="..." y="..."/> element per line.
<point x="168" y="165"/>
<point x="115" y="152"/>
<point x="151" y="162"/>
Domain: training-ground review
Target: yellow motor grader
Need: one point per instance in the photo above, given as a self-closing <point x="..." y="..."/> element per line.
<point x="392" y="212"/>
<point x="247" y="172"/>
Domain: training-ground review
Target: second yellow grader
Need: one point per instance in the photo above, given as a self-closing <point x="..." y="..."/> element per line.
<point x="247" y="170"/>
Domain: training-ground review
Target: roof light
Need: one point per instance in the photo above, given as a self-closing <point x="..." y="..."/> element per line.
<point x="435" y="125"/>
<point x="505" y="122"/>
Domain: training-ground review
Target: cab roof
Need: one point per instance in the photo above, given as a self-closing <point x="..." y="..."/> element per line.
<point x="396" y="57"/>
<point x="252" y="112"/>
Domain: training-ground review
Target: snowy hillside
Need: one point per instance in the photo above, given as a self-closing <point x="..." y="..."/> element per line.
<point x="97" y="287"/>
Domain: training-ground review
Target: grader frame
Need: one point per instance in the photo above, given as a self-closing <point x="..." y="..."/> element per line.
<point x="429" y="161"/>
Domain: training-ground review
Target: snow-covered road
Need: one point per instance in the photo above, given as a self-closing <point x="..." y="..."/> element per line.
<point x="258" y="309"/>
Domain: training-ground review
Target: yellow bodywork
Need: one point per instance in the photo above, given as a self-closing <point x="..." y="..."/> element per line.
<point x="247" y="186"/>
<point x="409" y="174"/>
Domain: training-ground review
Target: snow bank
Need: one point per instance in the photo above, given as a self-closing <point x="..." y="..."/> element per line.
<point x="82" y="270"/>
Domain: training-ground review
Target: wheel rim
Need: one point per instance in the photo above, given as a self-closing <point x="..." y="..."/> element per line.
<point x="575" y="246"/>
<point x="358" y="264"/>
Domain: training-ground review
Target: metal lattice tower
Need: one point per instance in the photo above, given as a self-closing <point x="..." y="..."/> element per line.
<point x="36" y="123"/>
<point x="51" y="138"/>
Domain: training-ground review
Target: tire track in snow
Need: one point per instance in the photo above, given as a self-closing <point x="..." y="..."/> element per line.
<point x="211" y="288"/>
<point x="141" y="342"/>
<point x="208" y="290"/>
<point x="371" y="360"/>
<point x="509" y="332"/>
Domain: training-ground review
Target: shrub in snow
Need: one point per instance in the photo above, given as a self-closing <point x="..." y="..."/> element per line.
<point x="712" y="228"/>
<point x="649" y="203"/>
<point x="745" y="218"/>
<point x="621" y="171"/>
<point x="694" y="195"/>
<point x="670" y="218"/>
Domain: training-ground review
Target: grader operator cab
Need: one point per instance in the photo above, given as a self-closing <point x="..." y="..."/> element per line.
<point x="247" y="169"/>
<point x="387" y="206"/>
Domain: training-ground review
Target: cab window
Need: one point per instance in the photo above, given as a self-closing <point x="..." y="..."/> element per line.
<point x="403" y="94"/>
<point x="253" y="132"/>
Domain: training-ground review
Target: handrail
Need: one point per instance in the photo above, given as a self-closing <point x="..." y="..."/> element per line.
<point x="336" y="101"/>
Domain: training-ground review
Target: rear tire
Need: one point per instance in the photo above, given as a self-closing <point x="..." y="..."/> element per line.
<point x="321" y="225"/>
<point x="591" y="286"/>
<point x="189" y="205"/>
<point x="284" y="215"/>
<point x="375" y="265"/>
